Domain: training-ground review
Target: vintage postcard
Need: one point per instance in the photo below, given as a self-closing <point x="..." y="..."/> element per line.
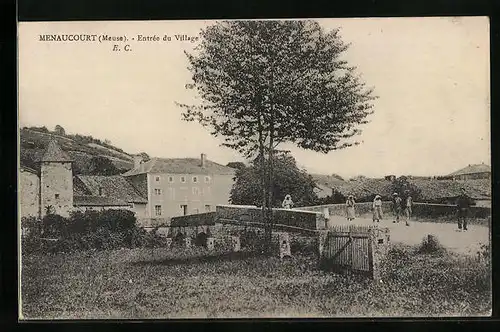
<point x="254" y="168"/>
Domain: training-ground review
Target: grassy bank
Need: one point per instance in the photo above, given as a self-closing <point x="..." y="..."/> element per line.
<point x="146" y="283"/>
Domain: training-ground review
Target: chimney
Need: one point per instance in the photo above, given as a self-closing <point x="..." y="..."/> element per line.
<point x="203" y="159"/>
<point x="137" y="161"/>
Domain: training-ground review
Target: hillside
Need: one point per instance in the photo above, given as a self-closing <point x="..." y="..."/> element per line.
<point x="82" y="149"/>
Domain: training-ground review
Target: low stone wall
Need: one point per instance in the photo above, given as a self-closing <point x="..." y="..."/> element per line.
<point x="199" y="219"/>
<point x="153" y="222"/>
<point x="340" y="209"/>
<point x="289" y="217"/>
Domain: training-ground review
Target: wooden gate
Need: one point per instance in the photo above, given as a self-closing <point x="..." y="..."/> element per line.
<point x="351" y="248"/>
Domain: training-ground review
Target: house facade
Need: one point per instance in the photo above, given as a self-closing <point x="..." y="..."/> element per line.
<point x="180" y="186"/>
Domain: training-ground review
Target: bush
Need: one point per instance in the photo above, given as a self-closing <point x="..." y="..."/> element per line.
<point x="430" y="245"/>
<point x="99" y="230"/>
<point x="484" y="253"/>
<point x="54" y="225"/>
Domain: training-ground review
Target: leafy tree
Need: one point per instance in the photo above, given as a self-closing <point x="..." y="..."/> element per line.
<point x="59" y="130"/>
<point x="236" y="165"/>
<point x="289" y="179"/>
<point x="263" y="83"/>
<point x="100" y="165"/>
<point x="402" y="186"/>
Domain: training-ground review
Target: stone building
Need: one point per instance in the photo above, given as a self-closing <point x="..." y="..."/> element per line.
<point x="155" y="190"/>
<point x="180" y="186"/>
<point x="54" y="189"/>
<point x="56" y="181"/>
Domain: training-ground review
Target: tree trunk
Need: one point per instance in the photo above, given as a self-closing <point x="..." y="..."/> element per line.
<point x="269" y="221"/>
<point x="270" y="196"/>
<point x="263" y="176"/>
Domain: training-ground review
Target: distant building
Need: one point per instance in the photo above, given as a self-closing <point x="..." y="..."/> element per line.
<point x="180" y="186"/>
<point x="155" y="190"/>
<point x="471" y="172"/>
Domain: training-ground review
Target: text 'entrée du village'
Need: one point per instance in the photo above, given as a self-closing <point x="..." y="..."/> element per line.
<point x="116" y="41"/>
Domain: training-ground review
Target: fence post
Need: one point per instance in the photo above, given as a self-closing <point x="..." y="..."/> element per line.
<point x="235" y="240"/>
<point x="352" y="251"/>
<point x="284" y="243"/>
<point x="322" y="235"/>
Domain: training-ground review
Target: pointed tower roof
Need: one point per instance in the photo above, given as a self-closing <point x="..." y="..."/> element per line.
<point x="54" y="153"/>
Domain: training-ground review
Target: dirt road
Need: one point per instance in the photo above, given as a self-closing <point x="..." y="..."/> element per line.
<point x="463" y="242"/>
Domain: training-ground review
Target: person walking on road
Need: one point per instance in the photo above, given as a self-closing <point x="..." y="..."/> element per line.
<point x="350" y="211"/>
<point x="396" y="206"/>
<point x="377" y="209"/>
<point x="408" y="207"/>
<point x="464" y="203"/>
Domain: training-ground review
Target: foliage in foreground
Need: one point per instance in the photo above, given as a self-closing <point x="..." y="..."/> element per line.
<point x="159" y="283"/>
<point x="100" y="230"/>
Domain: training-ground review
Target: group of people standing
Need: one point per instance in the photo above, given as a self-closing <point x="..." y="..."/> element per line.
<point x="399" y="206"/>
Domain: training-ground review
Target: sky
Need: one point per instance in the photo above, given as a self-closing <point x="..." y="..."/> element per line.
<point x="431" y="76"/>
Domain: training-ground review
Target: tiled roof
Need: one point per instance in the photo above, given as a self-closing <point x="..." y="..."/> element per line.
<point x="180" y="166"/>
<point x="79" y="188"/>
<point x="55" y="153"/>
<point x="365" y="187"/>
<point x="436" y="189"/>
<point x="115" y="186"/>
<point x="98" y="201"/>
<point x="429" y="190"/>
<point x="472" y="169"/>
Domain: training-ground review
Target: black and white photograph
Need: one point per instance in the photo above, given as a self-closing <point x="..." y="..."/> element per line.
<point x="273" y="168"/>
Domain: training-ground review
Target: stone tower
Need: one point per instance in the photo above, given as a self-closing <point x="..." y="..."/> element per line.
<point x="56" y="181"/>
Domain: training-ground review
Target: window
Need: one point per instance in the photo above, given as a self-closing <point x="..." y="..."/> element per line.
<point x="183" y="179"/>
<point x="157" y="179"/>
<point x="196" y="191"/>
<point x="100" y="191"/>
<point x="207" y="208"/>
<point x="158" y="210"/>
<point x="184" y="208"/>
<point x="207" y="179"/>
<point x="157" y="192"/>
<point x="195" y="179"/>
<point x="57" y="196"/>
<point x="171" y="179"/>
